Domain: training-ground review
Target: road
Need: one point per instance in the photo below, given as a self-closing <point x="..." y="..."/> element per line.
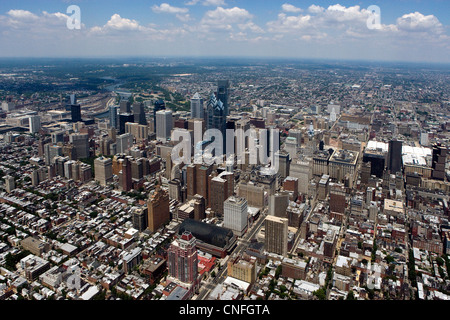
<point x="242" y="245"/>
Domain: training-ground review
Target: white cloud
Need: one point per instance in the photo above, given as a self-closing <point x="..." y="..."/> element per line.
<point x="418" y="22"/>
<point x="214" y="3"/>
<point x="315" y="9"/>
<point x="167" y="8"/>
<point x="118" y="23"/>
<point x="290" y="8"/>
<point x="222" y="18"/>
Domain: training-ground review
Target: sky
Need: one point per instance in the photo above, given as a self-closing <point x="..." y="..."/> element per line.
<point x="394" y="30"/>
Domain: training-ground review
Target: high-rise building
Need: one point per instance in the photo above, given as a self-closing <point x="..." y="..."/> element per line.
<point x="223" y="88"/>
<point x="197" y="111"/>
<point x="103" y="170"/>
<point x="276" y="235"/>
<point x="80" y="141"/>
<point x="218" y="193"/>
<point x="439" y="160"/>
<point x="183" y="259"/>
<point x="123" y="119"/>
<point x="75" y="108"/>
<point x="10" y="184"/>
<point x="125" y="176"/>
<point x="235" y="215"/>
<point x="139" y="113"/>
<point x="139" y="131"/>
<point x="125" y="106"/>
<point x="158" y="106"/>
<point x="394" y="162"/>
<point x="35" y="123"/>
<point x="278" y="204"/>
<point x="124" y="142"/>
<point x="158" y="209"/>
<point x="140" y="216"/>
<point x="114" y="117"/>
<point x="216" y="118"/>
<point x="164" y="124"/>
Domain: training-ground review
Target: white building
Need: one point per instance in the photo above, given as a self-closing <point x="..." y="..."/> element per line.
<point x="197" y="111"/>
<point x="235" y="215"/>
<point x="35" y="124"/>
<point x="164" y="124"/>
<point x="124" y="142"/>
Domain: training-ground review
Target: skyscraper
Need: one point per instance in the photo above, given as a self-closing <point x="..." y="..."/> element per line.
<point x="158" y="106"/>
<point x="216" y="117"/>
<point x="139" y="113"/>
<point x="197" y="111"/>
<point x="125" y="106"/>
<point x="235" y="215"/>
<point x="395" y="156"/>
<point x="114" y="117"/>
<point x="75" y="108"/>
<point x="158" y="209"/>
<point x="80" y="141"/>
<point x="35" y="123"/>
<point x="276" y="235"/>
<point x="223" y="87"/>
<point x="123" y="119"/>
<point x="164" y="124"/>
<point x="183" y="259"/>
<point x="103" y="170"/>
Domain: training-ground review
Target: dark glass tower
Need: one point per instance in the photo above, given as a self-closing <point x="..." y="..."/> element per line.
<point x="216" y="117"/>
<point x="223" y="88"/>
<point x="74" y="107"/>
<point x="139" y="113"/>
<point x="395" y="156"/>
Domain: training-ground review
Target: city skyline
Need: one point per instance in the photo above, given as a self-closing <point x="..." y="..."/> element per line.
<point x="413" y="31"/>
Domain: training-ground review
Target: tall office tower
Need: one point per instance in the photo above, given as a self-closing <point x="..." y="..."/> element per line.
<point x="137" y="169"/>
<point x="140" y="216"/>
<point x="158" y="106"/>
<point x="297" y="134"/>
<point x="439" y="159"/>
<point x="223" y="88"/>
<point x="80" y="141"/>
<point x="284" y="163"/>
<point x="50" y="152"/>
<point x="114" y="117"/>
<point x="41" y="146"/>
<point x="139" y="131"/>
<point x="395" y="156"/>
<point x="202" y="180"/>
<point x="235" y="215"/>
<point x="183" y="258"/>
<point x="125" y="106"/>
<point x="278" y="204"/>
<point x="164" y="125"/>
<point x="218" y="191"/>
<point x="74" y="108"/>
<point x="216" y="118"/>
<point x="191" y="181"/>
<point x="125" y="178"/>
<point x="123" y="119"/>
<point x="57" y="137"/>
<point x="103" y="170"/>
<point x="35" y="124"/>
<point x="10" y="184"/>
<point x="199" y="207"/>
<point x="197" y="111"/>
<point x="139" y="113"/>
<point x="276" y="235"/>
<point x="158" y="209"/>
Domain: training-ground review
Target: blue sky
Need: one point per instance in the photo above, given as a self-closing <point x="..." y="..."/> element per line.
<point x="408" y="30"/>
